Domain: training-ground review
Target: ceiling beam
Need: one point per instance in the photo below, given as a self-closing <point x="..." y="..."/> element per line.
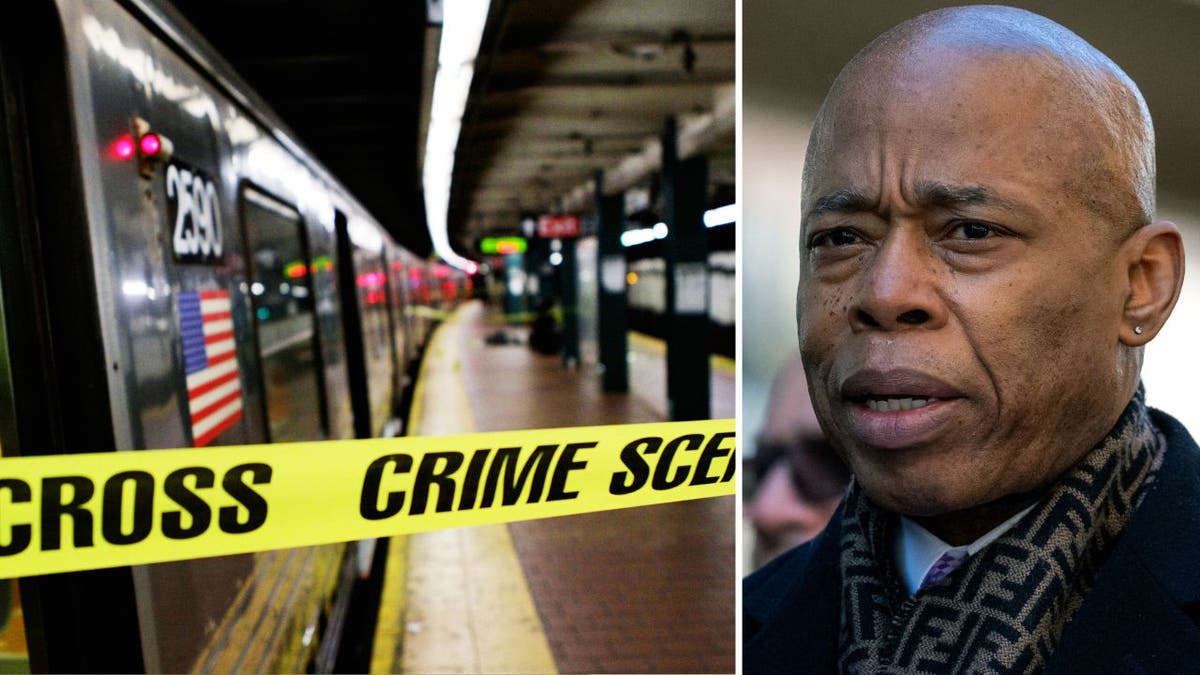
<point x="695" y="136"/>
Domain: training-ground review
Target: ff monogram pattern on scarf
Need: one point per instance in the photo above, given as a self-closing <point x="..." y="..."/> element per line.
<point x="1003" y="610"/>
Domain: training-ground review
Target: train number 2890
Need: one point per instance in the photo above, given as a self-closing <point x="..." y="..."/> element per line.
<point x="192" y="206"/>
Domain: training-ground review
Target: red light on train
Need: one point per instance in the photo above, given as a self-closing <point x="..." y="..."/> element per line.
<point x="370" y="279"/>
<point x="123" y="147"/>
<point x="152" y="148"/>
<point x="150" y="144"/>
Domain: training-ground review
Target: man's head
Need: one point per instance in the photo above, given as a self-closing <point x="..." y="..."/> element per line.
<point x="799" y="479"/>
<point x="979" y="265"/>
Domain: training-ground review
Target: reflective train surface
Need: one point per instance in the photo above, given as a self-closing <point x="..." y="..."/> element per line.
<point x="176" y="271"/>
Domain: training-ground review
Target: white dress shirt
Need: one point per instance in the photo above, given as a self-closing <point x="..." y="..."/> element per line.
<point x="916" y="549"/>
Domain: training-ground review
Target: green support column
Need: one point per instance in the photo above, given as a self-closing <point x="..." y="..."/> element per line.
<point x="684" y="194"/>
<point x="535" y="259"/>
<point x="611" y="313"/>
<point x="569" y="276"/>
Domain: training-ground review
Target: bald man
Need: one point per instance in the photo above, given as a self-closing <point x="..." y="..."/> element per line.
<point x="799" y="479"/>
<point x="980" y="270"/>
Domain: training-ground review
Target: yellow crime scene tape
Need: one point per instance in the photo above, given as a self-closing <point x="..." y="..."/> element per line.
<point x="63" y="513"/>
<point x="427" y="312"/>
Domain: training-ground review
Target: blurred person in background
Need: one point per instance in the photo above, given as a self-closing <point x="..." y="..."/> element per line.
<point x="798" y="478"/>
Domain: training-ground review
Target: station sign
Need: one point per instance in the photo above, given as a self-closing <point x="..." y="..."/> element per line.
<point x="502" y="245"/>
<point x="562" y="226"/>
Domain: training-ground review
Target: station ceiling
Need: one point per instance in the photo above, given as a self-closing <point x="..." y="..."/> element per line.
<point x="562" y="88"/>
<point x="571" y="87"/>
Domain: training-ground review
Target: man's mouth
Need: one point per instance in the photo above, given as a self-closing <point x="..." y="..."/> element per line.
<point x="899" y="407"/>
<point x="896" y="389"/>
<point x="893" y="404"/>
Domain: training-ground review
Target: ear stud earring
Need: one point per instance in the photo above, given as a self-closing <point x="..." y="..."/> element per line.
<point x="1137" y="329"/>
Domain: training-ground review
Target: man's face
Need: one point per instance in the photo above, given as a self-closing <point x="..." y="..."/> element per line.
<point x="798" y="478"/>
<point x="959" y="304"/>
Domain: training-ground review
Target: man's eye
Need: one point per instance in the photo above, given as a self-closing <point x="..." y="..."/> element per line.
<point x="970" y="229"/>
<point x="838" y="237"/>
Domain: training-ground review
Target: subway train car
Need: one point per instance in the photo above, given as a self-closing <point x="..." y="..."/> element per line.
<point x="177" y="271"/>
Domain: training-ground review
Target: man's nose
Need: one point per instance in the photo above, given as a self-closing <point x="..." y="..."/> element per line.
<point x="898" y="287"/>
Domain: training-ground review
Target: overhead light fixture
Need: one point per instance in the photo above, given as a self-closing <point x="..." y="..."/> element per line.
<point x="643" y="235"/>
<point x="462" y="29"/>
<point x="722" y="215"/>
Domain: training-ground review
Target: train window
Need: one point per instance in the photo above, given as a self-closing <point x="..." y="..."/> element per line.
<point x="282" y="300"/>
<point x="377" y="345"/>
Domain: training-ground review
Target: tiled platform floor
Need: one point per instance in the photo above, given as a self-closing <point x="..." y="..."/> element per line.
<point x="644" y="590"/>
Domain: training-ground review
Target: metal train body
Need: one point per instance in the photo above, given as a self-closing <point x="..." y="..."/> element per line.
<point x="135" y="284"/>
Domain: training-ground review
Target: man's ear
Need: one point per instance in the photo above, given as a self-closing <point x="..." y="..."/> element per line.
<point x="1154" y="255"/>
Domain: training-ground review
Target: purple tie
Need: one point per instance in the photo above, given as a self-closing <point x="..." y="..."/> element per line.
<point x="944" y="565"/>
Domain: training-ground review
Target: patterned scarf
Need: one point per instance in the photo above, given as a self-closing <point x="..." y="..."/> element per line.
<point x="1003" y="610"/>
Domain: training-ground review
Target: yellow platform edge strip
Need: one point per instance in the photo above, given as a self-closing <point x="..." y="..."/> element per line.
<point x="389" y="624"/>
<point x="656" y="345"/>
<point x="474" y="569"/>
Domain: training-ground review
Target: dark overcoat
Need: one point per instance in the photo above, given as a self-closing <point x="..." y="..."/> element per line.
<point x="1142" y="615"/>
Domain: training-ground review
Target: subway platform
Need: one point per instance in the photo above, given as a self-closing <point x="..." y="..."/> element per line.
<point x="648" y="590"/>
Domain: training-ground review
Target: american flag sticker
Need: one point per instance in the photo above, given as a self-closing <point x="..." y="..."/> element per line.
<point x="213" y="385"/>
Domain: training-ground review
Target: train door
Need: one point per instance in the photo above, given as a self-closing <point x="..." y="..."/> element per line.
<point x="14" y="650"/>
<point x="395" y="339"/>
<point x="275" y="623"/>
<point x="371" y="290"/>
<point x="282" y="301"/>
<point x="362" y="278"/>
<point x="404" y="345"/>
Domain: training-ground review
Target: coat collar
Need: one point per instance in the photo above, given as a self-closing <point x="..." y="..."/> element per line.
<point x="1137" y="616"/>
<point x="793" y="616"/>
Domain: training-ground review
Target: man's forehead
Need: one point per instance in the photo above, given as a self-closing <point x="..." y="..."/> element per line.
<point x="962" y="95"/>
<point x="984" y="96"/>
<point x="977" y="79"/>
<point x="935" y="80"/>
<point x="983" y="30"/>
<point x="951" y="137"/>
<point x="981" y="57"/>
